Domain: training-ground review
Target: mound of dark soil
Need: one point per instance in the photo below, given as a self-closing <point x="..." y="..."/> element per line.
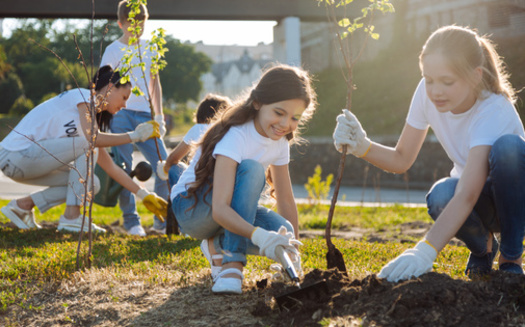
<point x="431" y="300"/>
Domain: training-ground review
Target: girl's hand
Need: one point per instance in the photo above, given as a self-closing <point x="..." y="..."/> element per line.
<point x="267" y="241"/>
<point x="145" y="131"/>
<point x="154" y="203"/>
<point x="161" y="173"/>
<point x="413" y="262"/>
<point x="162" y="125"/>
<point x="350" y="132"/>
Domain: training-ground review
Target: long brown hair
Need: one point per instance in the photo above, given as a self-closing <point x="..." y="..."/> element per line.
<point x="279" y="83"/>
<point x="465" y="50"/>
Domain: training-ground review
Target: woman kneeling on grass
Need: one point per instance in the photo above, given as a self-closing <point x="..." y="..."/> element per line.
<point x="466" y="99"/>
<point x="216" y="198"/>
<point x="52" y="135"/>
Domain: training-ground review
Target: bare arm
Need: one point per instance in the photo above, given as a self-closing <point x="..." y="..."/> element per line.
<point x="224" y="180"/>
<point x="103" y="139"/>
<point x="156" y="94"/>
<point x="399" y="159"/>
<point x="465" y="197"/>
<point x="286" y="206"/>
<point x="115" y="172"/>
<point x="177" y="154"/>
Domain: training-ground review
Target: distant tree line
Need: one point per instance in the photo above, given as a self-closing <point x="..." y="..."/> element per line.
<point x="30" y="74"/>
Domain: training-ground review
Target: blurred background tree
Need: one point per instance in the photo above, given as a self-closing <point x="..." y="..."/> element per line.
<point x="31" y="74"/>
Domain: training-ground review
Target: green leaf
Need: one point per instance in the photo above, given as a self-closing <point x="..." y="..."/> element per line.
<point x="344" y="22"/>
<point x="137" y="91"/>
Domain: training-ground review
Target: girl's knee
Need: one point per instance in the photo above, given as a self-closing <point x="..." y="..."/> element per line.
<point x="251" y="167"/>
<point x="440" y="195"/>
<point x="251" y="170"/>
<point x="506" y="152"/>
<point x="287" y="224"/>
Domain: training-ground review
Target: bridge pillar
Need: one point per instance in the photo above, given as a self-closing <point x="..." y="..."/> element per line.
<point x="287" y="41"/>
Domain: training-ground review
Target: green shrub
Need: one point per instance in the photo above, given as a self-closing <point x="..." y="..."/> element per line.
<point x="317" y="188"/>
<point x="6" y="123"/>
<point x="10" y="88"/>
<point x="21" y="106"/>
<point x="48" y="96"/>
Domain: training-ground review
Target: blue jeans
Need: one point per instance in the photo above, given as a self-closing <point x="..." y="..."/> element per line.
<point x="501" y="204"/>
<point x="125" y="121"/>
<point x="198" y="222"/>
<point x="175" y="173"/>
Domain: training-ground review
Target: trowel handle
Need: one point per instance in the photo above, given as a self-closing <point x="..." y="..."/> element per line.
<point x="286" y="262"/>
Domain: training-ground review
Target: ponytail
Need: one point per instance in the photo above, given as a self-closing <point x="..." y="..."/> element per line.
<point x="103" y="77"/>
<point x="106" y="75"/>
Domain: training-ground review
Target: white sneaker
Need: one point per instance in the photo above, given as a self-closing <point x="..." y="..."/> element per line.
<point x="228" y="285"/>
<point x="137" y="230"/>
<point x="75" y="225"/>
<point x="23" y="219"/>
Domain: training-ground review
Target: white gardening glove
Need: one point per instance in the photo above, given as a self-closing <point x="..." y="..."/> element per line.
<point x="161" y="173"/>
<point x="144" y="131"/>
<point x="294" y="254"/>
<point x="267" y="241"/>
<point x="350" y="132"/>
<point x="162" y="124"/>
<point x="412" y="262"/>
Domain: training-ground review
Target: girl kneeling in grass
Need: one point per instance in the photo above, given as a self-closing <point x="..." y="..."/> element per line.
<point x="216" y="198"/>
<point x="54" y="134"/>
<point x="467" y="100"/>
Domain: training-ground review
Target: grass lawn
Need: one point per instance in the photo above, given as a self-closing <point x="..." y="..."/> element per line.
<point x="37" y="262"/>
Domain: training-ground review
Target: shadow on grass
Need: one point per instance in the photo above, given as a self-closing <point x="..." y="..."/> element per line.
<point x="196" y="305"/>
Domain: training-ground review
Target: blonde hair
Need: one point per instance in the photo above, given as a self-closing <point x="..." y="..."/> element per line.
<point x="124" y="9"/>
<point x="279" y="83"/>
<point x="464" y="49"/>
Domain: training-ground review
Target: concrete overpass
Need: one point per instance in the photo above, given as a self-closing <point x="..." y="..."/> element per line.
<point x="307" y="10"/>
<point x="288" y="14"/>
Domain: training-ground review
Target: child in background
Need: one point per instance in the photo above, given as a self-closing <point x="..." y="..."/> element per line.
<point x="467" y="100"/>
<point x="172" y="168"/>
<point x="216" y="198"/>
<point x="137" y="111"/>
<point x="54" y="134"/>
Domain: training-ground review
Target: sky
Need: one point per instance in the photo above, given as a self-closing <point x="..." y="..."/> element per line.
<point x="246" y="33"/>
<point x="217" y="32"/>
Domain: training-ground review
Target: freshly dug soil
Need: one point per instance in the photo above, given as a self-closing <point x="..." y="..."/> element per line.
<point x="431" y="300"/>
<point x="96" y="298"/>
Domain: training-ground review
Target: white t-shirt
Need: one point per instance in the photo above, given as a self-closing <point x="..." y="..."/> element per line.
<point x="195" y="133"/>
<point x="113" y="55"/>
<point x="55" y="118"/>
<point x="490" y="118"/>
<point x="240" y="143"/>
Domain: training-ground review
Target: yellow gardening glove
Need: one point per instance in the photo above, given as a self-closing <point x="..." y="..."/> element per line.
<point x="154" y="203"/>
<point x="145" y="131"/>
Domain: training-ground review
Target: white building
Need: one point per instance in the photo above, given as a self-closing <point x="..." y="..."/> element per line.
<point x="235" y="68"/>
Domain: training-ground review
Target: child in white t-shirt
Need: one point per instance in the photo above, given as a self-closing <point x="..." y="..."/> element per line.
<point x="216" y="198"/>
<point x="137" y="110"/>
<point x="467" y="100"/>
<point x="172" y="168"/>
<point x="54" y="134"/>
